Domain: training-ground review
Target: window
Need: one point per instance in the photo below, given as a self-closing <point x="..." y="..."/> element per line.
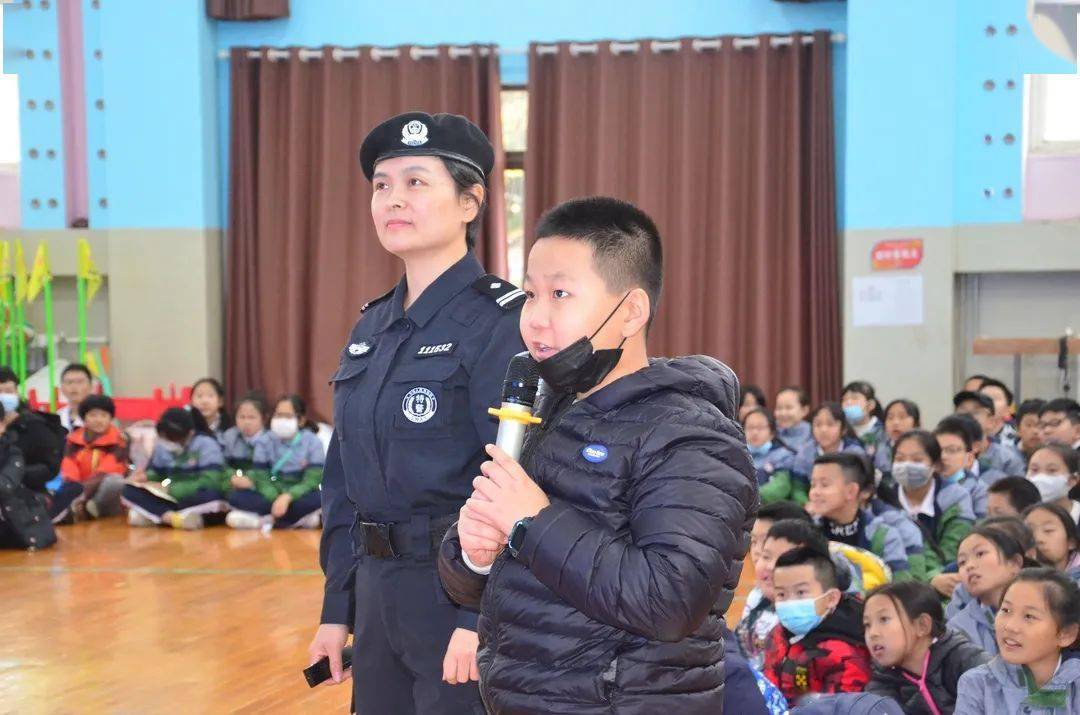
<point x="1054" y="114"/>
<point x="515" y="115"/>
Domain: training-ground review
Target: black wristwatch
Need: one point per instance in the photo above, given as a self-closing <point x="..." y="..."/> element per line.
<point x="517" y="536"/>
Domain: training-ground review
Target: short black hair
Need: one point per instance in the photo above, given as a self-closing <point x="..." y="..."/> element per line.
<point x="1070" y="407"/>
<point x="764" y="413"/>
<point x="1067" y="454"/>
<point x="465" y="177"/>
<point x="627" y="251"/>
<point x="77" y="367"/>
<point x="910" y="407"/>
<point x="914" y="598"/>
<point x="177" y="423"/>
<point x="780" y="510"/>
<point x="800" y="394"/>
<point x="757" y="392"/>
<point x="97" y="402"/>
<point x="8" y="375"/>
<point x="1014" y="526"/>
<point x="994" y="382"/>
<point x="1029" y="407"/>
<point x="824" y="568"/>
<point x="257" y="399"/>
<point x="977" y="376"/>
<point x="856" y="467"/>
<point x="926" y="440"/>
<point x="970" y="396"/>
<point x="1020" y="491"/>
<point x="799" y="532"/>
<point x="837" y="413"/>
<point x="963" y="426"/>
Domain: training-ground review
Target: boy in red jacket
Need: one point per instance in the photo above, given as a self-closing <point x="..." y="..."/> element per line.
<point x="96" y="456"/>
<point x="819" y="645"/>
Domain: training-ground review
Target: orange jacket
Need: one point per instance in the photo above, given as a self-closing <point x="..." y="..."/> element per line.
<point x="107" y="454"/>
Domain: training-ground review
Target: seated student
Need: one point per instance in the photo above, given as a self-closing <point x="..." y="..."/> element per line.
<point x="768" y="515"/>
<point x="97" y="458"/>
<point x="282" y="487"/>
<point x="38" y="435"/>
<point x="989" y="559"/>
<point x="830" y="433"/>
<point x="238" y="442"/>
<point x="1038" y="621"/>
<point x="1028" y="433"/>
<point x="662" y="520"/>
<point x="1004" y="429"/>
<point x="943" y="511"/>
<point x="992" y="456"/>
<point x="955" y="436"/>
<point x="759" y="614"/>
<point x="1057" y="538"/>
<point x="836" y="489"/>
<point x="911" y="534"/>
<point x="1012" y="526"/>
<point x="1059" y="422"/>
<point x="76" y="383"/>
<point x="1011" y="496"/>
<point x="863" y="412"/>
<point x="1055" y="470"/>
<point x="917" y="660"/>
<point x="184" y="479"/>
<point x="208" y="398"/>
<point x="818" y="646"/>
<point x="900" y="416"/>
<point x="772" y="459"/>
<point x="751" y="397"/>
<point x="791" y="412"/>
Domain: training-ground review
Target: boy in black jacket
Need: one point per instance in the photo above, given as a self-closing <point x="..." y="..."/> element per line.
<point x="603" y="563"/>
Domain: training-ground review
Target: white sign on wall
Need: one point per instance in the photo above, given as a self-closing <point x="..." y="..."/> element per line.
<point x="887" y="300"/>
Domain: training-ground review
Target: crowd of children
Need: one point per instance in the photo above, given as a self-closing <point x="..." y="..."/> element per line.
<point x="259" y="467"/>
<point x="928" y="570"/>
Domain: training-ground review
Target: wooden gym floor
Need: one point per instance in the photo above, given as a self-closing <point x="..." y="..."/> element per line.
<point x="115" y="619"/>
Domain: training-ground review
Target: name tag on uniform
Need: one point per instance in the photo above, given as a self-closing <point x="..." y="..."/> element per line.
<point x="433" y="350"/>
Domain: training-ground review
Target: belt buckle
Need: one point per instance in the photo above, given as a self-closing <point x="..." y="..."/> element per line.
<point x="384" y="530"/>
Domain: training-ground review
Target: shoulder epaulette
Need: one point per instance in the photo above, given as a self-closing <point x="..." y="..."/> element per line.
<point x="504" y="293"/>
<point x="375" y="301"/>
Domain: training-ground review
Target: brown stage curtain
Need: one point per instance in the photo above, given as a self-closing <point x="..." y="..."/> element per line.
<point x="247" y="9"/>
<point x="731" y="151"/>
<point x="303" y="252"/>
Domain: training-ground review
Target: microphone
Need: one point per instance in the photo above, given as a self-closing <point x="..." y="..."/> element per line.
<point x="518" y="397"/>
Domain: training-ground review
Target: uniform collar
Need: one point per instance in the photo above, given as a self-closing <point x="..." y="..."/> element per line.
<point x="454" y="279"/>
<point x="926" y="506"/>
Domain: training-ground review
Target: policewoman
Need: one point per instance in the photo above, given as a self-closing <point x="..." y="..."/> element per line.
<point x="411" y="393"/>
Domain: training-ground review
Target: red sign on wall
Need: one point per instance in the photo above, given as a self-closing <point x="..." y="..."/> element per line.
<point x="896" y="254"/>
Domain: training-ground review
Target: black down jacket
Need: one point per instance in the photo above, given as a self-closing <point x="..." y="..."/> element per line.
<point x="615" y="601"/>
<point x="951" y="656"/>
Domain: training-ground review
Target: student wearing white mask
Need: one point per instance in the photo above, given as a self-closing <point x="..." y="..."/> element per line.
<point x="282" y="488"/>
<point x="1055" y="469"/>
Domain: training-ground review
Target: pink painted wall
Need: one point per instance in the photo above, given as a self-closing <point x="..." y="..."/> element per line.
<point x="9" y="197"/>
<point x="1052" y="187"/>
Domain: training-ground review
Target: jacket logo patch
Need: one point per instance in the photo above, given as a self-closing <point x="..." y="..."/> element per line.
<point x="433" y="350"/>
<point x="595" y="453"/>
<point x="359" y="349"/>
<point x="419" y="405"/>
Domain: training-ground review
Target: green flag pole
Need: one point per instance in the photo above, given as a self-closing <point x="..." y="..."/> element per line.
<point x="80" y="283"/>
<point x="51" y="350"/>
<point x="6" y="326"/>
<point x="20" y="327"/>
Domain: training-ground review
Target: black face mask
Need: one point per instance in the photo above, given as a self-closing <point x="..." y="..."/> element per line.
<point x="577" y="367"/>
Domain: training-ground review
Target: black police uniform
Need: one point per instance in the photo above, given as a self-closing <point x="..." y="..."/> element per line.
<point x="410" y="414"/>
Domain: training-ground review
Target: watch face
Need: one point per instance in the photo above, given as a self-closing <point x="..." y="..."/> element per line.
<point x="517" y="536"/>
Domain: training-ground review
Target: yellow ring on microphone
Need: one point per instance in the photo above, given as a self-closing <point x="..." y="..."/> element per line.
<point x="514" y="415"/>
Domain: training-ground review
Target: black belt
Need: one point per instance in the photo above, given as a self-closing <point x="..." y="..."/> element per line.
<point x="420" y="537"/>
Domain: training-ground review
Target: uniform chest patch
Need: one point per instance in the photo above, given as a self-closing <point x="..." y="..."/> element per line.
<point x="359" y="349"/>
<point x="595" y="453"/>
<point x="419" y="405"/>
<point x="433" y="350"/>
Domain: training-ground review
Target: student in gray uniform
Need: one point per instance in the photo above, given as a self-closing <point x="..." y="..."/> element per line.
<point x="956" y="435"/>
<point x="283" y="486"/>
<point x="1038" y="621"/>
<point x="183" y="481"/>
<point x="900" y="416"/>
<point x="989" y="560"/>
<point x="792" y="411"/>
<point x="993" y="456"/>
<point x="239" y="441"/>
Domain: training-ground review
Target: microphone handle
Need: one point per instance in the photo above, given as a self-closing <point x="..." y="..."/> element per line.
<point x="511" y="434"/>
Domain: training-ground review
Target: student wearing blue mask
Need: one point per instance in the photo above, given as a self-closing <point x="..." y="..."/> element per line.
<point x="792" y="412"/>
<point x="39" y="436"/>
<point x="772" y="459"/>
<point x="863" y="412"/>
<point x="955" y="437"/>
